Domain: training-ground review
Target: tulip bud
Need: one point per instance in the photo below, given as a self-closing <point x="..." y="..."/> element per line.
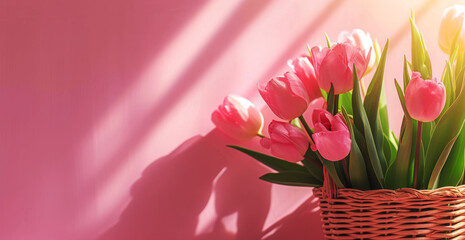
<point x="238" y="118"/>
<point x="286" y="141"/>
<point x="306" y="73"/>
<point x="286" y="96"/>
<point x="452" y="23"/>
<point x="424" y="100"/>
<point x="362" y="40"/>
<point x="334" y="66"/>
<point x="331" y="137"/>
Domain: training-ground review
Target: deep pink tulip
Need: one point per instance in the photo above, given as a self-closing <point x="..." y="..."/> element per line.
<point x="424" y="100"/>
<point x="305" y="71"/>
<point x="286" y="96"/>
<point x="331" y="137"/>
<point x="335" y="65"/>
<point x="286" y="141"/>
<point x="238" y="118"/>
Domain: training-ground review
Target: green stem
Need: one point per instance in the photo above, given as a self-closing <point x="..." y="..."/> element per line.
<point x="346" y="171"/>
<point x="315" y="162"/>
<point x="306" y="127"/>
<point x="260" y="135"/>
<point x="336" y="104"/>
<point x="417" y="155"/>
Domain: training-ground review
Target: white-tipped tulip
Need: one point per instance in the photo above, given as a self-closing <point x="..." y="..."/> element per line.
<point x="238" y="118"/>
<point x="362" y="40"/>
<point x="452" y="22"/>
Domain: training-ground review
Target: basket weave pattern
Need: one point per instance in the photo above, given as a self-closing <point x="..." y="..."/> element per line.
<point x="387" y="214"/>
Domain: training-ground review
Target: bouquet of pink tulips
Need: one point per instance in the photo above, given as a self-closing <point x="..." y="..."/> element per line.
<point x="331" y="124"/>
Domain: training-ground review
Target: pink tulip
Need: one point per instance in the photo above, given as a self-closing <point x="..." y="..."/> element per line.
<point x="305" y="71"/>
<point x="286" y="141"/>
<point x="318" y="103"/>
<point x="286" y="96"/>
<point x="331" y="137"/>
<point x="363" y="41"/>
<point x="238" y="118"/>
<point x="424" y="100"/>
<point x="335" y="65"/>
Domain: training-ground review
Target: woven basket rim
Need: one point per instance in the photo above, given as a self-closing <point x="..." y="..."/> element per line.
<point x="401" y="193"/>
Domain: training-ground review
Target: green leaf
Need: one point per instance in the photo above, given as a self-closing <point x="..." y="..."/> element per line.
<point x="363" y="125"/>
<point x="390" y="148"/>
<point x="296" y="122"/>
<point x="371" y="105"/>
<point x="459" y="80"/>
<point x="292" y="178"/>
<point x="383" y="114"/>
<point x="448" y="84"/>
<point x="459" y="71"/>
<point x="309" y="50"/>
<point x="446" y="130"/>
<point x="357" y="170"/>
<point x="398" y="175"/>
<point x="345" y="100"/>
<point x="335" y="172"/>
<point x="324" y="94"/>
<point x="272" y="162"/>
<point x="330" y="100"/>
<point x="420" y="58"/>
<point x="313" y="169"/>
<point x="426" y="134"/>
<point x="406" y="74"/>
<point x="377" y="50"/>
<point x="453" y="169"/>
<point x="328" y="42"/>
<point x="432" y="183"/>
<point x="400" y="93"/>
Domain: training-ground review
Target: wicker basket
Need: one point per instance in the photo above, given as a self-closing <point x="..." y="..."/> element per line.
<point x="386" y="214"/>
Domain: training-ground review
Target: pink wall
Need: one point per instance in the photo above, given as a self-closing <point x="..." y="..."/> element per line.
<point x="105" y="107"/>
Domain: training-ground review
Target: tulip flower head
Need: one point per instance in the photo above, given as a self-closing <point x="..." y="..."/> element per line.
<point x="335" y="65"/>
<point x="286" y="141"/>
<point x="286" y="96"/>
<point x="331" y="137"/>
<point x="362" y="40"/>
<point x="424" y="100"/>
<point x="303" y="68"/>
<point x="452" y="23"/>
<point x="238" y="118"/>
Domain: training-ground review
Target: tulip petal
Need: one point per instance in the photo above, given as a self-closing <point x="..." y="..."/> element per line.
<point x="334" y="145"/>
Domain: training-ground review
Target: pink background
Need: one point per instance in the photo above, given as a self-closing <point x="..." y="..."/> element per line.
<point x="105" y="106"/>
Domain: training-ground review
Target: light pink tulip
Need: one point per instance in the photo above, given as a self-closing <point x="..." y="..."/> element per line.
<point x="363" y="41"/>
<point x="452" y="22"/>
<point x="238" y="118"/>
<point x="318" y="103"/>
<point x="335" y="65"/>
<point x="424" y="100"/>
<point x="286" y="141"/>
<point x="331" y="137"/>
<point x="286" y="96"/>
<point x="305" y="71"/>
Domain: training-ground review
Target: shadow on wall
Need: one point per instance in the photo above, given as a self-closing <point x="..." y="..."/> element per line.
<point x="174" y="190"/>
<point x="80" y="57"/>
